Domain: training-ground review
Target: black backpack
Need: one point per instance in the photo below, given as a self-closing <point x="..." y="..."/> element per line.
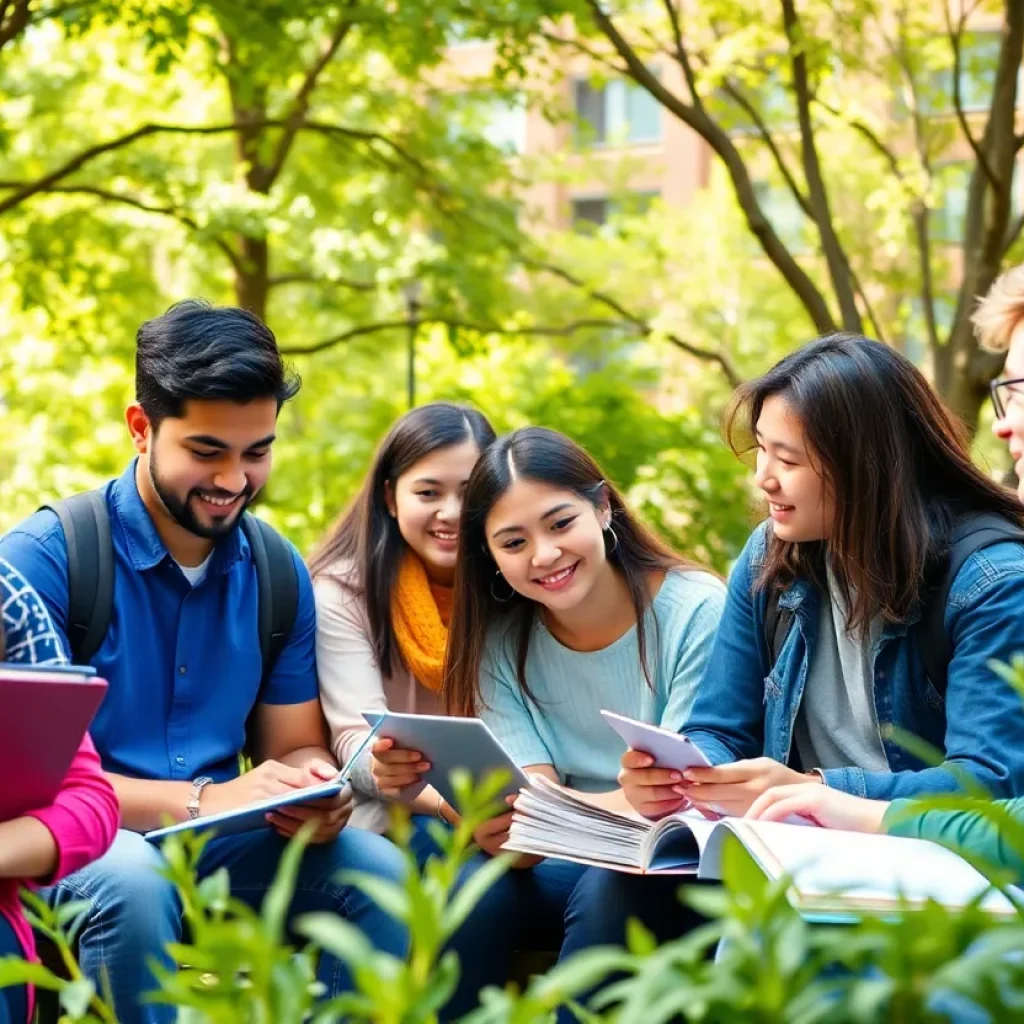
<point x="972" y="533"/>
<point x="86" y="524"/>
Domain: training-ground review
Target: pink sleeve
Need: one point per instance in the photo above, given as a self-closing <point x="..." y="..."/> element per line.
<point x="84" y="815"/>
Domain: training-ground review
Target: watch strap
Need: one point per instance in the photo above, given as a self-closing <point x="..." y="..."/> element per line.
<point x="198" y="785"/>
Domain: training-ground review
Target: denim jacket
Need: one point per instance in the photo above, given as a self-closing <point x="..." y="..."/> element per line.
<point x="746" y="708"/>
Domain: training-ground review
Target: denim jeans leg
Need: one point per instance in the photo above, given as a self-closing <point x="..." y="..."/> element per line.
<point x="602" y="903"/>
<point x="525" y="909"/>
<point x="421" y="844"/>
<point x="135" y="914"/>
<point x="13" y="1000"/>
<point x="252" y="860"/>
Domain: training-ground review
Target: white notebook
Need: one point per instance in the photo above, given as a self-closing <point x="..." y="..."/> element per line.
<point x="835" y="875"/>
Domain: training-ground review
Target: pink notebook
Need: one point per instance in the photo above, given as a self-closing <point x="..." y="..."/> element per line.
<point x="44" y="713"/>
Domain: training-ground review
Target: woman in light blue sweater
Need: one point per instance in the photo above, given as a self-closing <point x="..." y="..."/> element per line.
<point x="564" y="605"/>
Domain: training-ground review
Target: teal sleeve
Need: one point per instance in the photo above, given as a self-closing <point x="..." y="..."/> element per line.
<point x="965" y="830"/>
<point x="693" y="650"/>
<point x="503" y="706"/>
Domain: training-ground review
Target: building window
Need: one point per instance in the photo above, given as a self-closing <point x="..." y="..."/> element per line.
<point x="616" y="112"/>
<point x="499" y="119"/>
<point x="504" y="123"/>
<point x="979" y="61"/>
<point x="591" y="212"/>
<point x="949" y="214"/>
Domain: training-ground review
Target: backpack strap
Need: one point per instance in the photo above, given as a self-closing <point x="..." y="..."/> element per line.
<point x="278" y="590"/>
<point x="86" y="524"/>
<point x="972" y="534"/>
<point x="777" y="624"/>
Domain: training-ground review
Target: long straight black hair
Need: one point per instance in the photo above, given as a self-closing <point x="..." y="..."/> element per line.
<point x="547" y="457"/>
<point x="893" y="458"/>
<point x="363" y="549"/>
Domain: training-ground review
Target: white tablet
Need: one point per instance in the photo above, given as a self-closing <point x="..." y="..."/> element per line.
<point x="669" y="749"/>
<point x="251" y="817"/>
<point x="449" y="743"/>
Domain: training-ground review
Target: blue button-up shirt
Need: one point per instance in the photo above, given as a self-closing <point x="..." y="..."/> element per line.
<point x="182" y="662"/>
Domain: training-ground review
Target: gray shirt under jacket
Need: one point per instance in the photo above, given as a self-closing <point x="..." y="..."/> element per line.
<point x="837" y="725"/>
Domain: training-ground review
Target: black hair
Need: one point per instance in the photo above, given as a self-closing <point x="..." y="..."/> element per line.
<point x="895" y="460"/>
<point x="548" y="457"/>
<point x="366" y="540"/>
<point x="199" y="351"/>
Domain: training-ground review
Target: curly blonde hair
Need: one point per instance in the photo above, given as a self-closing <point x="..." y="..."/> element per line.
<point x="999" y="312"/>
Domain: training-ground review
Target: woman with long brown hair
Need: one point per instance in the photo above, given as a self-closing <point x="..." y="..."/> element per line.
<point x="564" y="605"/>
<point x="851" y="618"/>
<point x="383" y="585"/>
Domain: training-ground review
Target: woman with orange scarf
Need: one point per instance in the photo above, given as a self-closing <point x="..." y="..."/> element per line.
<point x="383" y="583"/>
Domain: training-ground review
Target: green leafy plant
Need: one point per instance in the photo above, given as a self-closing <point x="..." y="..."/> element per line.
<point x="754" y="960"/>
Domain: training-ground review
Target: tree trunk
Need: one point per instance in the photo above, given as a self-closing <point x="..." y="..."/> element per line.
<point x="252" y="279"/>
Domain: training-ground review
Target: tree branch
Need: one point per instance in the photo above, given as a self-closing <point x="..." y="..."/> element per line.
<point x="300" y="103"/>
<point x="120" y="142"/>
<point x="411" y="323"/>
<point x="642" y="327"/>
<point x="956" y="42"/>
<point x="919" y="211"/>
<point x="109" y="196"/>
<point x="682" y="57"/>
<point x="769" y="140"/>
<point x="835" y="256"/>
<point x="581" y="48"/>
<point x="1013" y="232"/>
<point x="872" y="137"/>
<point x="13" y="20"/>
<point x="796" y="277"/>
<point x="302" y="277"/>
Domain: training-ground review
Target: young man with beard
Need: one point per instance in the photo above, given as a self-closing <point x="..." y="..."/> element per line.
<point x="182" y="655"/>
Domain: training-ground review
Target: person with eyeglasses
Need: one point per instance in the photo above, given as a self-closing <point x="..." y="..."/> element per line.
<point x="999" y="326"/>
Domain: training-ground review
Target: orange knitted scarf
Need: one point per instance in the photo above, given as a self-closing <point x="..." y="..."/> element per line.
<point x="420" y="612"/>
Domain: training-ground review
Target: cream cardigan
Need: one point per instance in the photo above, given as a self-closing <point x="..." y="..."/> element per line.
<point x="351" y="682"/>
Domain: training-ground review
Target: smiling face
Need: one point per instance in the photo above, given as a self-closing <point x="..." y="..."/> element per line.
<point x="204" y="467"/>
<point x="798" y="500"/>
<point x="426" y="501"/>
<point x="548" y="543"/>
<point x="1010" y="426"/>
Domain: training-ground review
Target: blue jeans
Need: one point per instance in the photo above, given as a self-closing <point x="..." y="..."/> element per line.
<point x="14" y="1000"/>
<point x="136" y="912"/>
<point x="556" y="906"/>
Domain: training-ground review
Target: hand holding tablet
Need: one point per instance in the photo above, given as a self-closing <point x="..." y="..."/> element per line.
<point x="445" y="744"/>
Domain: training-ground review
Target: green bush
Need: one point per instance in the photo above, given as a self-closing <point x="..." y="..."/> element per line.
<point x="239" y="965"/>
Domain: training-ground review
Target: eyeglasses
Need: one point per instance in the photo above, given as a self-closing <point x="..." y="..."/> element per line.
<point x="1003" y="393"/>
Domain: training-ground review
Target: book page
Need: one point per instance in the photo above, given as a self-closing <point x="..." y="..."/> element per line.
<point x="830" y="868"/>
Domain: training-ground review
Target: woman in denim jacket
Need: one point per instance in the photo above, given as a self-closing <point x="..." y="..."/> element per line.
<point x="866" y="474"/>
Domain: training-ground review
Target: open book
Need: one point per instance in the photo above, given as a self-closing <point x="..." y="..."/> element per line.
<point x="835" y="875"/>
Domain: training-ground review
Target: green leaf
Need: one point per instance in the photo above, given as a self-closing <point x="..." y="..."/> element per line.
<point x="390" y="897"/>
<point x="15" y="971"/>
<point x="473" y="889"/>
<point x="76" y="996"/>
<point x="278" y="899"/>
<point x="337" y="936"/>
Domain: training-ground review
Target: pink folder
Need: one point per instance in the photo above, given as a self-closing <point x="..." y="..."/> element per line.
<point x="44" y="714"/>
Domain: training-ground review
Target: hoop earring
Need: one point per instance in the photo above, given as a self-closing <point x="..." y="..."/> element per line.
<point x="615" y="540"/>
<point x="511" y="589"/>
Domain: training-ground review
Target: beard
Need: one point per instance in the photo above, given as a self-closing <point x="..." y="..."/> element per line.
<point x="180" y="510"/>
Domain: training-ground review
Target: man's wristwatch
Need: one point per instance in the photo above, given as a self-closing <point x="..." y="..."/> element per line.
<point x="198" y="785"/>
